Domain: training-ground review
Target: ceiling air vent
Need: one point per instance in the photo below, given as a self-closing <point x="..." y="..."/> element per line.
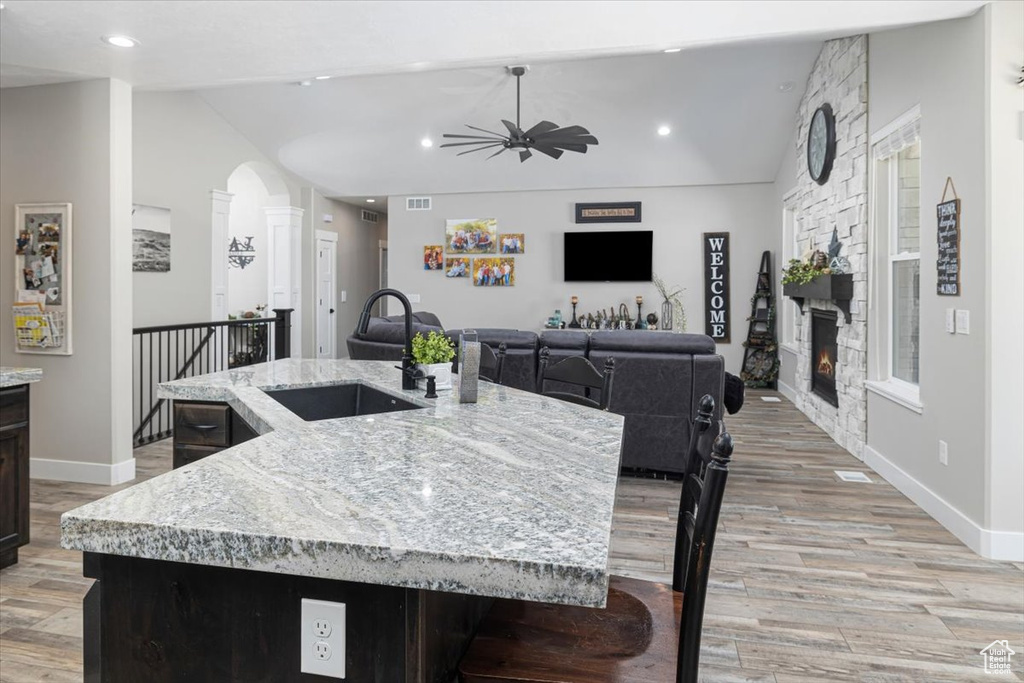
<point x="371" y="216"/>
<point x="417" y="203"/>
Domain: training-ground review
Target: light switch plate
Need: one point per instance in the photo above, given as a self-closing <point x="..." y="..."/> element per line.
<point x="414" y="298"/>
<point x="943" y="452"/>
<point x="951" y="320"/>
<point x="344" y="296"/>
<point x="328" y="218"/>
<point x="963" y="322"/>
<point x="323" y="638"/>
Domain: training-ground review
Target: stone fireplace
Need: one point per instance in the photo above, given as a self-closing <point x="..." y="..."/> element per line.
<point x="824" y="354"/>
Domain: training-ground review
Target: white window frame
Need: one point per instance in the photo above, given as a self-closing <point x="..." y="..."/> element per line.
<point x="791" y="318"/>
<point x="891" y="387"/>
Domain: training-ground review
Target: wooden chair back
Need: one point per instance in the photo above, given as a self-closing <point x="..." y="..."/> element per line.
<point x="491" y="363"/>
<point x="580" y="372"/>
<point x="706" y="469"/>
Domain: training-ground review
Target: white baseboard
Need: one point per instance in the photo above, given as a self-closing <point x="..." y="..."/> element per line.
<point x="994" y="545"/>
<point x="787" y="391"/>
<point x="82" y="472"/>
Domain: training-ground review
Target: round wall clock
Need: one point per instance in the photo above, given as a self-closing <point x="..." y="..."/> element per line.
<point x="821" y="144"/>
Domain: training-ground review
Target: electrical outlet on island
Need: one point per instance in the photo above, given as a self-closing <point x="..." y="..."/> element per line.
<point x="323" y="638"/>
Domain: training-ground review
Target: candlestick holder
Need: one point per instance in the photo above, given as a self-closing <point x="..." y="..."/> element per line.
<point x="575" y="323"/>
<point x="639" y="324"/>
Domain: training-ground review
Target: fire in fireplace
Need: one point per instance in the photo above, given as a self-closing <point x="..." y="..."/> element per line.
<point x="824" y="356"/>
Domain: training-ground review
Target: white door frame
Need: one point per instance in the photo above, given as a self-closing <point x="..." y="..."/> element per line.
<point x="220" y="203"/>
<point x="331" y="350"/>
<point x="284" y="266"/>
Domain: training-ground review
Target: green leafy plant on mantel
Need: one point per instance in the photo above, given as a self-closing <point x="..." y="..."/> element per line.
<point x="802" y="272"/>
<point x="434" y="348"/>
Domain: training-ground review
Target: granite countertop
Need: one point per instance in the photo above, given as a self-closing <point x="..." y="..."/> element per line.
<point x="11" y="377"/>
<point x="509" y="497"/>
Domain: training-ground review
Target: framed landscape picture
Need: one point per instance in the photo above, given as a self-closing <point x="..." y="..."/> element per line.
<point x="471" y="236"/>
<point x="151" y="239"/>
<point x="42" y="274"/>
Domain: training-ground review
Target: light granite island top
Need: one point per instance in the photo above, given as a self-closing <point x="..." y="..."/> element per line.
<point x="12" y="377"/>
<point x="509" y="497"/>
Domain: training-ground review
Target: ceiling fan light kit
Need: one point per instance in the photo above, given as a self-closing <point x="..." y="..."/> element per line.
<point x="545" y="137"/>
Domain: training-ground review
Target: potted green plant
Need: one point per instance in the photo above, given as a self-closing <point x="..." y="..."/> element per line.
<point x="433" y="356"/>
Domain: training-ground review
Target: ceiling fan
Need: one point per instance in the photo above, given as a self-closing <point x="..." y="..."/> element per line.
<point x="545" y="137"/>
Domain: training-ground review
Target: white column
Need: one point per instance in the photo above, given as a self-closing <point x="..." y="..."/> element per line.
<point x="221" y="203"/>
<point x="284" y="265"/>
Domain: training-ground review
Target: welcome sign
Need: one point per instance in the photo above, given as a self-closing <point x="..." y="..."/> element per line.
<point x="716" y="286"/>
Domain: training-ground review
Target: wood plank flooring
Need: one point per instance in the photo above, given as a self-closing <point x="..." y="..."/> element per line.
<point x="813" y="579"/>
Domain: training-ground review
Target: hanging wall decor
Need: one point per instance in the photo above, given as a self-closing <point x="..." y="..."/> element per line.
<point x="494" y="272"/>
<point x="471" y="236"/>
<point x="241" y="253"/>
<point x="512" y="243"/>
<point x="948" y="262"/>
<point x="42" y="310"/>
<point x="151" y="239"/>
<point x="716" y="286"/>
<point x="432" y="257"/>
<point x="608" y="212"/>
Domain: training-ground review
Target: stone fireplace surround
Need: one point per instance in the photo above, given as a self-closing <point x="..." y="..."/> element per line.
<point x="839" y="77"/>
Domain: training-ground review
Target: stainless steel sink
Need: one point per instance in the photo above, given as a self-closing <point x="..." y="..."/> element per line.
<point x="339" y="400"/>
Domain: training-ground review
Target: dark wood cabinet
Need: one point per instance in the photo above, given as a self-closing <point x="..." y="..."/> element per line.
<point x="203" y="428"/>
<point x="14" y="486"/>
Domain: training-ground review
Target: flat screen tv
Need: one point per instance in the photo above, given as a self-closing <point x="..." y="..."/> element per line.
<point x="620" y="256"/>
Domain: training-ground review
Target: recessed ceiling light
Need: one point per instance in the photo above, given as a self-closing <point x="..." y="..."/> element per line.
<point x="786" y="87"/>
<point x="664" y="130"/>
<point x="120" y="41"/>
<point x="673" y="49"/>
<point x="370" y="201"/>
<point x="322" y="78"/>
<point x="427" y="142"/>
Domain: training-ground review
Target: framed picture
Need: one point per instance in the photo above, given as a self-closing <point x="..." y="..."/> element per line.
<point x="457" y="266"/>
<point x="512" y="243"/>
<point x="471" y="236"/>
<point x="151" y="239"/>
<point x="608" y="212"/>
<point x="42" y="273"/>
<point x="432" y="257"/>
<point x="494" y="272"/>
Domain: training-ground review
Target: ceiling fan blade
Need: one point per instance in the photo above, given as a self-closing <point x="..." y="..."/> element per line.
<point x="524" y="154"/>
<point x="571" y="147"/>
<point x="556" y="137"/>
<point x="470" y="137"/>
<point x="463" y="144"/>
<point x="562" y="142"/>
<point x="541" y="128"/>
<point x="550" y="151"/>
<point x="496" y="144"/>
<point x="512" y="129"/>
<point x="484" y="130"/>
<point x="503" y="149"/>
<point x="571" y="130"/>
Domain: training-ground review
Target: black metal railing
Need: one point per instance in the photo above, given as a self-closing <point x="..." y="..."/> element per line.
<point x="168" y="352"/>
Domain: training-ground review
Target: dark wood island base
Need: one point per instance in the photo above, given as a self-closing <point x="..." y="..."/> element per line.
<point x="151" y="620"/>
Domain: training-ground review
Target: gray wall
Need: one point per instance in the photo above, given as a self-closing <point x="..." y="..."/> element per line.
<point x="357" y="265"/>
<point x="941" y="67"/>
<point x="71" y="143"/>
<point x="184" y="149"/>
<point x="677" y="215"/>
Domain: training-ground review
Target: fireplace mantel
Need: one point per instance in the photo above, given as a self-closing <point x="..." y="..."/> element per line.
<point x="835" y="288"/>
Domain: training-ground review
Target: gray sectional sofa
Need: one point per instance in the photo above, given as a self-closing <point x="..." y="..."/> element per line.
<point x="659" y="377"/>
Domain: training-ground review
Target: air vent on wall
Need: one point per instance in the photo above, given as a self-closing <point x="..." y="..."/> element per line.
<point x="417" y="203"/>
<point x="371" y="216"/>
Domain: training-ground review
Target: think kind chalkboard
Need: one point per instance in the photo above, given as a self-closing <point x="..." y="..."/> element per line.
<point x="948" y="262"/>
<point x="716" y="286"/>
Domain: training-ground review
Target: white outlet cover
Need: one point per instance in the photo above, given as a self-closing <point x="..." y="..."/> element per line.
<point x="951" y="320"/>
<point x="963" y="322"/>
<point x="322" y="638"/>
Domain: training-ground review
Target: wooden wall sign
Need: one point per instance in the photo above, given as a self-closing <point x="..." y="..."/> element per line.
<point x="948" y="262"/>
<point x="716" y="286"/>
<point x="608" y="212"/>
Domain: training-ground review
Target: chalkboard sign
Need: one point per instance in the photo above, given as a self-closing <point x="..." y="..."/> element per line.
<point x="948" y="263"/>
<point x="716" y="286"/>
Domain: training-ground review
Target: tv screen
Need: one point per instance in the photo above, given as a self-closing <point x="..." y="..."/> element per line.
<point x="608" y="256"/>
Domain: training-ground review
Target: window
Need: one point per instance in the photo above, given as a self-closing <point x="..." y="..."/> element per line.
<point x="905" y="262"/>
<point x="790" y="311"/>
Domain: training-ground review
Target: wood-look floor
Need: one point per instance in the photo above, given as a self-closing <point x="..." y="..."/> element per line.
<point x="812" y="579"/>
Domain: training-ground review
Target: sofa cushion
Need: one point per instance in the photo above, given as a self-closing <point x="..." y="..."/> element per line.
<point x="520" y="369"/>
<point x="422" y="317"/>
<point x="646" y="340"/>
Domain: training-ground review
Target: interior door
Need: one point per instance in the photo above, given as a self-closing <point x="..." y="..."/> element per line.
<point x="326" y="286"/>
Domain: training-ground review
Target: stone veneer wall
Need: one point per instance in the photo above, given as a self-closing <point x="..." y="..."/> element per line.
<point x="840" y="78"/>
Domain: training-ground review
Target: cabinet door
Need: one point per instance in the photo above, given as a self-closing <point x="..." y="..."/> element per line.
<point x="13" y="494"/>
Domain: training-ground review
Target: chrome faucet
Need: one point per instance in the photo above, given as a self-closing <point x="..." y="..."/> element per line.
<point x="408" y="371"/>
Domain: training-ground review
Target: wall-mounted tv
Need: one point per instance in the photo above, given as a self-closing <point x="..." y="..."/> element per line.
<point x="619" y="256"/>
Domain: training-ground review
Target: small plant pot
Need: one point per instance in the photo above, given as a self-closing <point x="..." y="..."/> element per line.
<point x="442" y="373"/>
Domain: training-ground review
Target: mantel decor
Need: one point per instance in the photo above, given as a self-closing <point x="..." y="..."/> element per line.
<point x="831" y="287"/>
<point x="608" y="212"/>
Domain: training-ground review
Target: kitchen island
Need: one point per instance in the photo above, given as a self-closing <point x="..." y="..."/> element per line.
<point x="14" y="460"/>
<point x="415" y="519"/>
